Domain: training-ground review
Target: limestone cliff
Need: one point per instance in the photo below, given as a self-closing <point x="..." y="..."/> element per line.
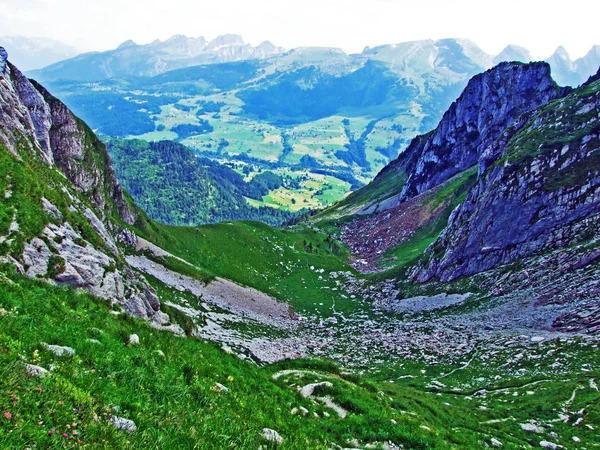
<point x="70" y="237"/>
<point x="491" y="102"/>
<point x="538" y="190"/>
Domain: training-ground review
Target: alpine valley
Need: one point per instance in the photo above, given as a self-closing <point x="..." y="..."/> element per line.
<point x="325" y="121"/>
<point x="451" y="302"/>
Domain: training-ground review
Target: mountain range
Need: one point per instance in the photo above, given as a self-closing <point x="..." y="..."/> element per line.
<point x="132" y="60"/>
<point x="457" y="289"/>
<point x="337" y="119"/>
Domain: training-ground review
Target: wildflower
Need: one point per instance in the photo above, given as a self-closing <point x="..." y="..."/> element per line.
<point x="7" y="415"/>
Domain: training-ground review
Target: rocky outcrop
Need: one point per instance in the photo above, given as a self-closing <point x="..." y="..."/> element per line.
<point x="3" y="59"/>
<point x="36" y="126"/>
<point x="28" y="110"/>
<point x="491" y="102"/>
<point x="538" y="190"/>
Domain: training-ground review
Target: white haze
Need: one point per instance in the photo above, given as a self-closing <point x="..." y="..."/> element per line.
<point x="540" y="26"/>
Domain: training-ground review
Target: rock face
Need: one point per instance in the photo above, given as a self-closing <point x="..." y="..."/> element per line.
<point x="35" y="125"/>
<point x="3" y="58"/>
<point x="538" y="190"/>
<point x="491" y="102"/>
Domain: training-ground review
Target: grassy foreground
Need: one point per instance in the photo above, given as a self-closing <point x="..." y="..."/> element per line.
<point x="166" y="385"/>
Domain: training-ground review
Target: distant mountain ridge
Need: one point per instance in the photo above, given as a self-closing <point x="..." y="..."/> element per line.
<point x="131" y="60"/>
<point x="35" y="53"/>
<point x="567" y="72"/>
<point x="179" y="51"/>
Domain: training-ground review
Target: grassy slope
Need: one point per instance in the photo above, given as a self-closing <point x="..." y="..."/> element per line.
<point x="174" y="401"/>
<point x="22" y="185"/>
<point x="274" y="261"/>
<point x="172" y="398"/>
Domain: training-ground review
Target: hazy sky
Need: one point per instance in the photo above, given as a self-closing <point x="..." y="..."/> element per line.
<point x="539" y="25"/>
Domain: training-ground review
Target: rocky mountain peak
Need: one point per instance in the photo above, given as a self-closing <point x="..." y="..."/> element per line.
<point x="562" y="53"/>
<point x="127" y="43"/>
<point x="537" y="192"/>
<point x="490" y="103"/>
<point x="513" y="53"/>
<point x="87" y="204"/>
<point x="226" y="40"/>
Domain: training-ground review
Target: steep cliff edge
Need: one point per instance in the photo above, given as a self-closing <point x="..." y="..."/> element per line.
<point x="62" y="206"/>
<point x="491" y="102"/>
<point x="538" y="190"/>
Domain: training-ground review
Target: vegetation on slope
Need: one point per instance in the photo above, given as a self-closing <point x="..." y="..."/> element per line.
<point x="175" y="187"/>
<point x="166" y="385"/>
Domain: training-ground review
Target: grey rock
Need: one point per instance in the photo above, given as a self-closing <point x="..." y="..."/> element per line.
<point x="59" y="350"/>
<point x="52" y="210"/>
<point x="134" y="339"/>
<point x="101" y="230"/>
<point x="123" y="424"/>
<point x="3" y="59"/>
<point x="222" y="388"/>
<point x="550" y="445"/>
<point x="272" y="436"/>
<point x="36" y="371"/>
<point x="128" y="238"/>
<point x="36" y="255"/>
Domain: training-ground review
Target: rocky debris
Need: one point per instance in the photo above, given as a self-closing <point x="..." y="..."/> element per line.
<point x="422" y="303"/>
<point x="243" y="301"/>
<point x="533" y="427"/>
<point x="496" y="442"/>
<point x="370" y="237"/>
<point x="272" y="436"/>
<point x="550" y="445"/>
<point x="123" y="424"/>
<point x="134" y="339"/>
<point x="59" y="350"/>
<point x="36" y="371"/>
<point x="128" y="238"/>
<point x="307" y="391"/>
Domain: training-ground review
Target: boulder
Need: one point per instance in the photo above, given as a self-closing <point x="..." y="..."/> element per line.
<point x="123" y="424"/>
<point x="271" y="436"/>
<point x="59" y="350"/>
